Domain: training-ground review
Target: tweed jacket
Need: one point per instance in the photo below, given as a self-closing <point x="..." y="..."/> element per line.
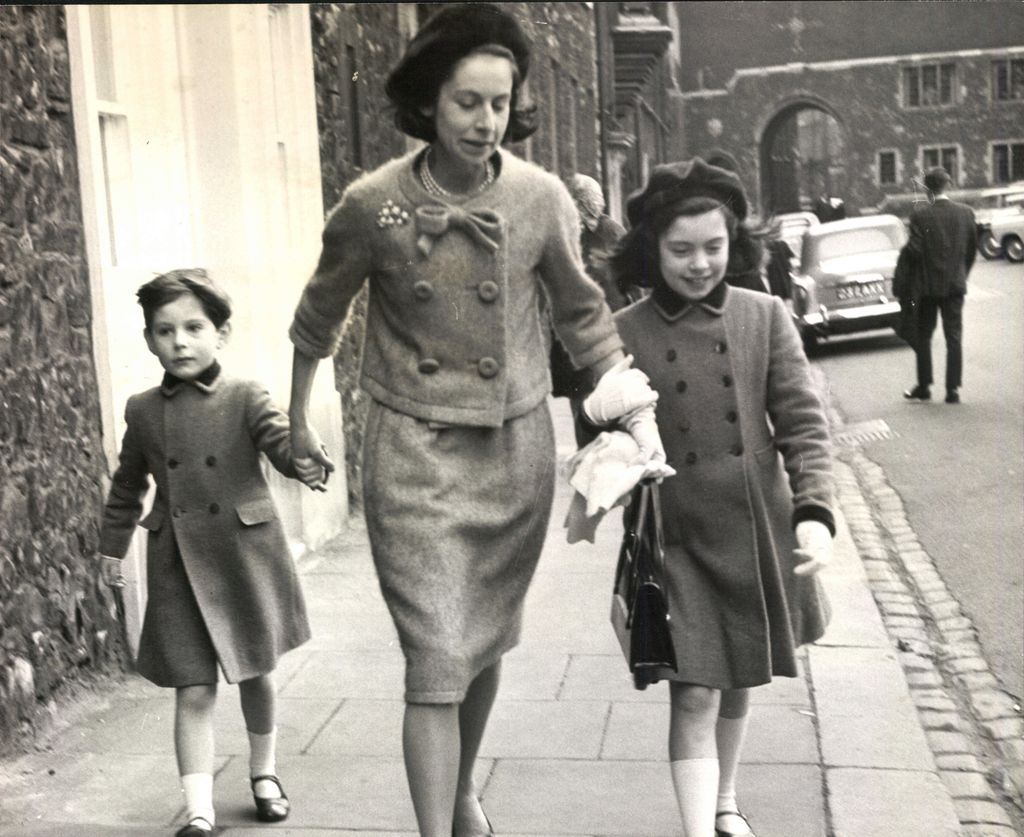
<point x="944" y="237"/>
<point x="201" y="444"/>
<point x="746" y="432"/>
<point x="453" y="329"/>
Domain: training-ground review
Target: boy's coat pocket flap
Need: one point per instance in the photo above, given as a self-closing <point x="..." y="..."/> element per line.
<point x="153" y="521"/>
<point x="256" y="511"/>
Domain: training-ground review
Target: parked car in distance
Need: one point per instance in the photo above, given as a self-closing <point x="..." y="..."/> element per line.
<point x="790" y="227"/>
<point x="844" y="284"/>
<point x="1005" y="234"/>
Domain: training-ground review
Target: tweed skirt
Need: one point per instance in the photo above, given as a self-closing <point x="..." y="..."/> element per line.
<point x="456" y="517"/>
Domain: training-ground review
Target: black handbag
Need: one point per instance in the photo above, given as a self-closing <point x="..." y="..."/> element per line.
<point x="639" y="605"/>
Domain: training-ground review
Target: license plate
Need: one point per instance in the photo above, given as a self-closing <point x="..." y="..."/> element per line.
<point x="860" y="291"/>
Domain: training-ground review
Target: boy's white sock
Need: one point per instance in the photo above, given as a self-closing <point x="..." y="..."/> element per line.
<point x="263" y="762"/>
<point x="696" y="784"/>
<point x="198" y="790"/>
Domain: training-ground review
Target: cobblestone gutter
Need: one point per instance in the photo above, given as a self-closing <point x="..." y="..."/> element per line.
<point x="973" y="726"/>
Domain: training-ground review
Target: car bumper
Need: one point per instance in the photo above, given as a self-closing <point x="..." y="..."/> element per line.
<point x="844" y="320"/>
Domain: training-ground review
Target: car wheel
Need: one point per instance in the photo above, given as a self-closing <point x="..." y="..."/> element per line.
<point x="989" y="247"/>
<point x="810" y="341"/>
<point x="1014" y="248"/>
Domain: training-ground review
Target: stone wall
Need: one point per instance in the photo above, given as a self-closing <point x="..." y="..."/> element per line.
<point x="355" y="45"/>
<point x="866" y="102"/>
<point x="55" y="621"/>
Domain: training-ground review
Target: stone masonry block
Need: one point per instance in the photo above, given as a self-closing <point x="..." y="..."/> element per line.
<point x="981" y="811"/>
<point x="965" y="785"/>
<point x="990" y="704"/>
<point x="949" y="742"/>
<point x="1004" y="728"/>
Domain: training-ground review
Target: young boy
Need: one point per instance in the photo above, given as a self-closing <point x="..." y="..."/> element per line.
<point x="222" y="587"/>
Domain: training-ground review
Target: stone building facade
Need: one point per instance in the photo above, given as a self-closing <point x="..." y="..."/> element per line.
<point x="55" y="619"/>
<point x="854" y="100"/>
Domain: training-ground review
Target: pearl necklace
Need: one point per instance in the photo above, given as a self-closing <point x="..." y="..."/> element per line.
<point x="436" y="189"/>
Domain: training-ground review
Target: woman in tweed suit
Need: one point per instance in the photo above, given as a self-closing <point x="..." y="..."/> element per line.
<point x="747" y="518"/>
<point x="455" y="241"/>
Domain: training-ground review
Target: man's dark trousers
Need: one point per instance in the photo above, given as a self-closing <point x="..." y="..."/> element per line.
<point x="952" y="309"/>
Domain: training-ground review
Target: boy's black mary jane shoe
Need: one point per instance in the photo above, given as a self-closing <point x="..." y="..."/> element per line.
<point x="192" y="829"/>
<point x="270" y="808"/>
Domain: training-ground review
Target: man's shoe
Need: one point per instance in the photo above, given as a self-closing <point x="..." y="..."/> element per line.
<point x="918" y="393"/>
<point x="952" y="396"/>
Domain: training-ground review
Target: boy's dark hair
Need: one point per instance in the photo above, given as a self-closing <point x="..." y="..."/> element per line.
<point x="636" y="259"/>
<point x="167" y="287"/>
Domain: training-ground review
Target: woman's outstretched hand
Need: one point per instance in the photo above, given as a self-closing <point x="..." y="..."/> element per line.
<point x="312" y="463"/>
<point x="814" y="548"/>
<point x="619" y="391"/>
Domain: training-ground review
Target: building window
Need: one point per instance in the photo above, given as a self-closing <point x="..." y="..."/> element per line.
<point x="928" y="85"/>
<point x="1008" y="79"/>
<point x="946" y="156"/>
<point x="887" y="163"/>
<point x="1007" y="161"/>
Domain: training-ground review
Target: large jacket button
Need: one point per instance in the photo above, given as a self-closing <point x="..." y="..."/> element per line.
<point x="731" y="417"/>
<point x="681" y="386"/>
<point x="423" y="290"/>
<point x="172" y="463"/>
<point x="720" y="348"/>
<point x="211" y="461"/>
<point x="684" y="426"/>
<point x="428" y="366"/>
<point x="727" y="380"/>
<point x="214" y="508"/>
<point x="736" y="450"/>
<point x="670" y="355"/>
<point x="691" y="458"/>
<point x="178" y="511"/>
<point x="487" y="367"/>
<point x="488" y="290"/>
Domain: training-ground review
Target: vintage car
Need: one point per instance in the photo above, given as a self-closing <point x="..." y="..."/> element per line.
<point x="1004" y="234"/>
<point x="790" y="227"/>
<point x="844" y="283"/>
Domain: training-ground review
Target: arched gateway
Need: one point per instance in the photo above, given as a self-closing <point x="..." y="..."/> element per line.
<point x="803" y="157"/>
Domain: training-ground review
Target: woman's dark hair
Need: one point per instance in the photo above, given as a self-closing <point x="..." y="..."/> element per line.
<point x="636" y="259"/>
<point x="454" y="33"/>
<point x="167" y="287"/>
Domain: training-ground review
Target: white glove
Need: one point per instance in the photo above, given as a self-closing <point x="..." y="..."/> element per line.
<point x="815" y="547"/>
<point x="644" y="430"/>
<point x="620" y="390"/>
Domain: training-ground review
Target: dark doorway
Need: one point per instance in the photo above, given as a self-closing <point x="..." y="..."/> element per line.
<point x="803" y="153"/>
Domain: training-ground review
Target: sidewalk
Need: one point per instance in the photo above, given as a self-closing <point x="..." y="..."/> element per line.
<point x="572" y="748"/>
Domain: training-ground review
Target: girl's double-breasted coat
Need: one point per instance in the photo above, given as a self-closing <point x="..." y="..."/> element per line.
<point x="214" y="534"/>
<point x="744" y="428"/>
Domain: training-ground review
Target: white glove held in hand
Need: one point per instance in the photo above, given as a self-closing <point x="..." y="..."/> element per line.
<point x="620" y="390"/>
<point x="815" y="547"/>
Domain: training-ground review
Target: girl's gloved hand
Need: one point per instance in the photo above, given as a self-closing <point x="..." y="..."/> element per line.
<point x="620" y="391"/>
<point x="644" y="430"/>
<point x="814" y="547"/>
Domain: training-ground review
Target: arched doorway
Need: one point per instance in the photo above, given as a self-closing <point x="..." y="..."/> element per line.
<point x="803" y="153"/>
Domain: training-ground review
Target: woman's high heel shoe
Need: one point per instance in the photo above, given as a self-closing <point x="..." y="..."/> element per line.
<point x="270" y="808"/>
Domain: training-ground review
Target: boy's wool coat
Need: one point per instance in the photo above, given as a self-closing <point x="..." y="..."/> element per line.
<point x="201" y="444"/>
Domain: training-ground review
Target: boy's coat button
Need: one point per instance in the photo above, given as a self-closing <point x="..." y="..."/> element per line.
<point x="211" y="461"/>
<point x="172" y="463"/>
<point x="214" y="508"/>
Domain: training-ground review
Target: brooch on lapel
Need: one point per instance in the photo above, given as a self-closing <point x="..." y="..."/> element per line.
<point x="392" y="215"/>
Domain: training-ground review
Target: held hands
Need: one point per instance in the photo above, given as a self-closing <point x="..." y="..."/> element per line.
<point x="619" y="391"/>
<point x="312" y="464"/>
<point x="814" y="547"/>
<point x="110" y="571"/>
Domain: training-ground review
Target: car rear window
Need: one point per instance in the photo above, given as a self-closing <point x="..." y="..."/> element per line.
<point x="854" y="242"/>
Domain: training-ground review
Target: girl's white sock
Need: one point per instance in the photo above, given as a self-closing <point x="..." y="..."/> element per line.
<point x="263" y="762"/>
<point x="198" y="790"/>
<point x="696" y="784"/>
<point x="729" y="735"/>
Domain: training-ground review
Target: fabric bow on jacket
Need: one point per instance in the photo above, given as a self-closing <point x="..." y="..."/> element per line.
<point x="434" y="220"/>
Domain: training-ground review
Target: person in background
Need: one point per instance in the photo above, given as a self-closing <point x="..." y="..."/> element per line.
<point x="943" y="238"/>
<point x="222" y="587"/>
<point x="457" y="240"/>
<point x="748" y="518"/>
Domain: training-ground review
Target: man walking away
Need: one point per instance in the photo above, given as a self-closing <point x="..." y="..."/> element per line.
<point x="942" y="236"/>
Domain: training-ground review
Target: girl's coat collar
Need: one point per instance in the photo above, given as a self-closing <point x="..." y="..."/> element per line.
<point x="714" y="303"/>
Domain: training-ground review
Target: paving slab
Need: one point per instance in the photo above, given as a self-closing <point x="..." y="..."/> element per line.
<point x="881" y="803"/>
<point x="865" y="713"/>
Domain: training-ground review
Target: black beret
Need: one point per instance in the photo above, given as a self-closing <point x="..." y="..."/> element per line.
<point x="448" y="36"/>
<point x="694" y="178"/>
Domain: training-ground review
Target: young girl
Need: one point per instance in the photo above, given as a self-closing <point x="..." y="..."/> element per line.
<point x="736" y="406"/>
<point x="222" y="589"/>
